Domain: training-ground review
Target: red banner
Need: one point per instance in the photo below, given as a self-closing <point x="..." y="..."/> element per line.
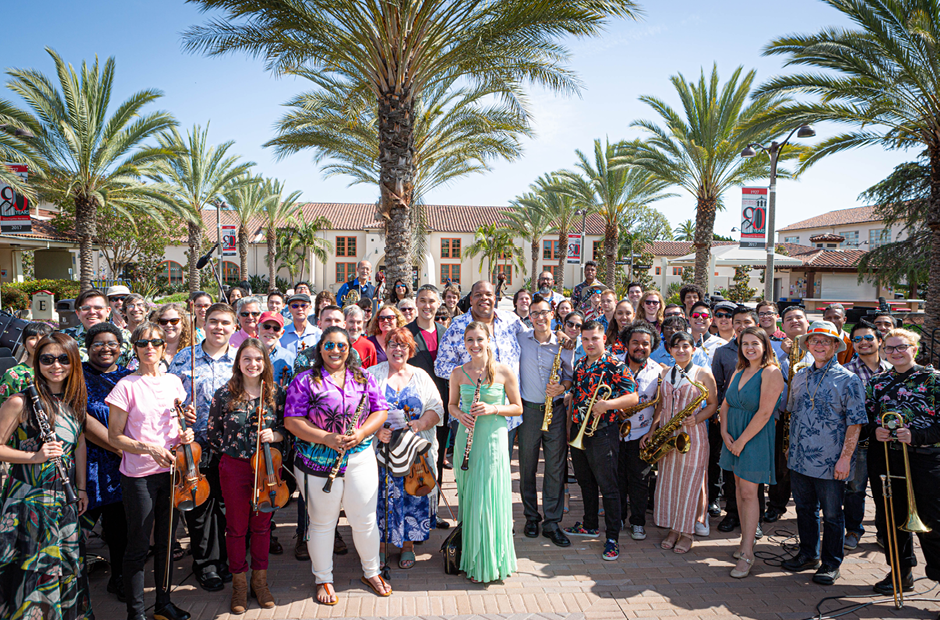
<point x="14" y="208"/>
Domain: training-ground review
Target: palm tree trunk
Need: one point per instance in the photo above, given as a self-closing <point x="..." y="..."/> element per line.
<point x="396" y="180"/>
<point x="704" y="232"/>
<point x="932" y="309"/>
<point x="85" y="227"/>
<point x="535" y="265"/>
<point x="563" y="244"/>
<point x="194" y="241"/>
<point x="243" y="251"/>
<point x="272" y="268"/>
<point x="610" y="253"/>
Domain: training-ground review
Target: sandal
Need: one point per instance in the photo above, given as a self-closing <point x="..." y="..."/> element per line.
<point x="178" y="552"/>
<point x="741" y="574"/>
<point x="328" y="588"/>
<point x="374" y="589"/>
<point x="407" y="560"/>
<point x="680" y="549"/>
<point x="668" y="544"/>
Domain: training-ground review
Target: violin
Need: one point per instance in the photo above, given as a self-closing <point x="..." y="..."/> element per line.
<point x="420" y="480"/>
<point x="190" y="487"/>
<point x="270" y="492"/>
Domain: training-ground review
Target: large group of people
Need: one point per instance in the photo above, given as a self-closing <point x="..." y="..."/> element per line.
<point x="172" y="411"/>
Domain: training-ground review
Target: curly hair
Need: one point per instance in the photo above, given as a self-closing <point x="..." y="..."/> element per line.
<point x="352" y="362"/>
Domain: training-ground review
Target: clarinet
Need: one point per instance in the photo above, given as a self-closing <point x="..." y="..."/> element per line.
<point x="47" y="435"/>
<point x="466" y="453"/>
<point x="328" y="486"/>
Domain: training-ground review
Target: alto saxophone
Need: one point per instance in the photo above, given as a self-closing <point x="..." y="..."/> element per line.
<point x="629" y="412"/>
<point x="796" y="354"/>
<point x="662" y="442"/>
<point x="552" y="378"/>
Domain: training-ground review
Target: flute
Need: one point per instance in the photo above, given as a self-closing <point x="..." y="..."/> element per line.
<point x="328" y="486"/>
<point x="47" y="436"/>
<point x="466" y="453"/>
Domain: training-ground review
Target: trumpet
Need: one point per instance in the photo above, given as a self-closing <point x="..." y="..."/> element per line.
<point x="578" y="442"/>
<point x="892" y="421"/>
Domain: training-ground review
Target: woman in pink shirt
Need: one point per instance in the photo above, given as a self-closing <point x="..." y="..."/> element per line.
<point x="144" y="426"/>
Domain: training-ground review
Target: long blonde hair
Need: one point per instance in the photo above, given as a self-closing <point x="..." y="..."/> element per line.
<point x="490" y="358"/>
<point x="186" y="331"/>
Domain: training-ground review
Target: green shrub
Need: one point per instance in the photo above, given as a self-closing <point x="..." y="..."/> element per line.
<point x="175" y="297"/>
<point x="19" y="295"/>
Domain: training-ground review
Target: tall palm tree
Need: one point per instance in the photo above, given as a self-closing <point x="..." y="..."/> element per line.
<point x="531" y="222"/>
<point x="88" y="158"/>
<point x="310" y="241"/>
<point x="881" y="79"/>
<point x="16" y="149"/>
<point x="493" y="242"/>
<point x="685" y="231"/>
<point x="248" y="197"/>
<point x="700" y="148"/>
<point x="616" y="191"/>
<point x="196" y="177"/>
<point x="276" y="213"/>
<point x="395" y="51"/>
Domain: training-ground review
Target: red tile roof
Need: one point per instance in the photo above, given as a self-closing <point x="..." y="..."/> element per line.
<point x="827" y="238"/>
<point x="44" y="230"/>
<point x="830" y="259"/>
<point x="795" y="249"/>
<point x="678" y="248"/>
<point x="841" y="217"/>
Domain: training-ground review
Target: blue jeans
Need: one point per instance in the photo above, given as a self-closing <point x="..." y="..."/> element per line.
<point x="855" y="494"/>
<point x="811" y="494"/>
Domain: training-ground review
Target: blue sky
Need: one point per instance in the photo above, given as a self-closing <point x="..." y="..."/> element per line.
<point x="242" y="102"/>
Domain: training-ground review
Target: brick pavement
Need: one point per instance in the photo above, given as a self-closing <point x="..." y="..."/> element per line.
<point x="555" y="584"/>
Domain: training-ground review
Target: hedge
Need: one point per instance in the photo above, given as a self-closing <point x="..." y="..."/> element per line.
<point x="19" y="295"/>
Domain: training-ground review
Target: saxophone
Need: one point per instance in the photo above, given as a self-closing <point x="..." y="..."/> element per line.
<point x="662" y="443"/>
<point x="552" y="378"/>
<point x="629" y="412"/>
<point x="796" y="354"/>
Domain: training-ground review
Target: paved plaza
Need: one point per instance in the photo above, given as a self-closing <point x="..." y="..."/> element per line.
<point x="557" y="584"/>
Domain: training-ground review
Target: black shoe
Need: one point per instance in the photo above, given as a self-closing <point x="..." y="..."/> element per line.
<point x="531" y="529"/>
<point x="729" y="523"/>
<point x="801" y="563"/>
<point x="339" y="545"/>
<point x="759" y="533"/>
<point x="300" y="550"/>
<point x="210" y="582"/>
<point x="714" y="510"/>
<point x="443" y="524"/>
<point x="274" y="547"/>
<point x="772" y="515"/>
<point x="171" y="612"/>
<point x="116" y="587"/>
<point x="826" y="575"/>
<point x="886" y="587"/>
<point x="226" y="575"/>
<point x="557" y="537"/>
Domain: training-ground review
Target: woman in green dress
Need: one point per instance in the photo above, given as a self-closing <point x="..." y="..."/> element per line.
<point x="484" y="491"/>
<point x="41" y="566"/>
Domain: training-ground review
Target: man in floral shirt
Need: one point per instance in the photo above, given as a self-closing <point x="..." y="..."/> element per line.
<point x="596" y="465"/>
<point x="580" y="294"/>
<point x="91" y="308"/>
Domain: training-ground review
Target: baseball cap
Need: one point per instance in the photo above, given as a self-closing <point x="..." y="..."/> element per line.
<point x="271" y="316"/>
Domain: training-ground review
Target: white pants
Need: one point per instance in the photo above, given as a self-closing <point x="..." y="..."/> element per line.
<point x="357" y="493"/>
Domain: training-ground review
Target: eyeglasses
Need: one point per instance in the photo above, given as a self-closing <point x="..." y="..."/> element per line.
<point x="722" y="315"/>
<point x="248" y="314"/>
<point x="764" y="315"/>
<point x="299" y="306"/>
<point x="901" y="348"/>
<point x="203" y="306"/>
<point x="117" y="299"/>
<point x="396" y="345"/>
<point x="156" y="342"/>
<point x="401" y="286"/>
<point x="651" y="302"/>
<point x="815" y="342"/>
<point x="272" y="326"/>
<point x="93" y="308"/>
<point x="866" y="338"/>
<point x="701" y="315"/>
<point x="112" y="345"/>
<point x="387" y="317"/>
<point x="138" y="306"/>
<point x="49" y="360"/>
<point x="166" y="322"/>
<point x="339" y="346"/>
<point x="671" y="314"/>
<point x="538" y="315"/>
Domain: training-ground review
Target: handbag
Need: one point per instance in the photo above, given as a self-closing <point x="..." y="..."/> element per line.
<point x="451" y="549"/>
<point x="403" y="449"/>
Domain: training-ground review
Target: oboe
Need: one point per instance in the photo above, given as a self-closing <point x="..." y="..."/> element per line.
<point x="466" y="453"/>
<point x="342" y="453"/>
<point x="47" y="436"/>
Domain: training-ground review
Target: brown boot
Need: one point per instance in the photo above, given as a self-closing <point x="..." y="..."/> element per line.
<point x="239" y="593"/>
<point x="259" y="588"/>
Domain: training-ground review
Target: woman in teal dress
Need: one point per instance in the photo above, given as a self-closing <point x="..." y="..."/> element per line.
<point x="747" y="429"/>
<point x="484" y="491"/>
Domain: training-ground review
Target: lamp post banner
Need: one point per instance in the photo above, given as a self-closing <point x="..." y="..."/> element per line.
<point x="754" y="217"/>
<point x="574" y="249"/>
<point x="14" y="208"/>
<point x="228" y="241"/>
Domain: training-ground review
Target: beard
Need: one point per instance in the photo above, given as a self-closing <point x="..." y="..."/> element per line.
<point x="638" y="360"/>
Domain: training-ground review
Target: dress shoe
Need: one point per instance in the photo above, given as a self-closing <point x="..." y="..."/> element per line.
<point x="800" y="563"/>
<point x="772" y="515"/>
<point x="714" y="509"/>
<point x="442" y="524"/>
<point x="557" y="537"/>
<point x="729" y="523"/>
<point x="116" y="587"/>
<point x="210" y="582"/>
<point x="886" y="587"/>
<point x="300" y="550"/>
<point x="170" y="612"/>
<point x="531" y="529"/>
<point x="339" y="545"/>
<point x="274" y="547"/>
<point x="826" y="575"/>
<point x="225" y="574"/>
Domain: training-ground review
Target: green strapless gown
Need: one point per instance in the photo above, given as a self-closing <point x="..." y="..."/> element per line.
<point x="485" y="491"/>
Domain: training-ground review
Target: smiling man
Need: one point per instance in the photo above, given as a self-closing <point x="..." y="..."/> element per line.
<point x="580" y="294"/>
<point x="91" y="308"/>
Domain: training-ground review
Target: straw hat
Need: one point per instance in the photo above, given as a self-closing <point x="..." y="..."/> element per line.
<point x="823" y="328"/>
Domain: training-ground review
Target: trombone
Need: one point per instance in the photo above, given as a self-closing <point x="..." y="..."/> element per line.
<point x="892" y="421"/>
<point x="578" y="442"/>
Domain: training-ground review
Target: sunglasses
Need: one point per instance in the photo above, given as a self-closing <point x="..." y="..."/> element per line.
<point x="387" y="317"/>
<point x="339" y="346"/>
<point x="119" y="299"/>
<point x="572" y="324"/>
<point x="299" y="306"/>
<point x="49" y="360"/>
<point x="722" y="315"/>
<point x="248" y="314"/>
<point x="651" y="302"/>
<point x="272" y="326"/>
<point x="166" y="322"/>
<point x="866" y="338"/>
<point x="156" y="342"/>
<point x="701" y="315"/>
<point x="672" y="314"/>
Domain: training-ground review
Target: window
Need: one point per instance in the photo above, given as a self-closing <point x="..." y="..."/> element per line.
<point x="346" y="247"/>
<point x="791" y="239"/>
<point x="507" y="255"/>
<point x="851" y="238"/>
<point x="450" y="248"/>
<point x="172" y="271"/>
<point x="345" y="271"/>
<point x="659" y="271"/>
<point x="550" y="249"/>
<point x="677" y="271"/>
<point x="877" y="238"/>
<point x="451" y="272"/>
<point x="598" y="251"/>
<point x="507" y="269"/>
<point x="554" y="270"/>
<point x="230" y="272"/>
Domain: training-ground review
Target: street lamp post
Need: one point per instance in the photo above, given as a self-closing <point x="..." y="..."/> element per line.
<point x="583" y="214"/>
<point x="773" y="151"/>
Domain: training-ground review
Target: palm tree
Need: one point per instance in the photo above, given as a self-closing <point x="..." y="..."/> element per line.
<point x="685" y="231"/>
<point x="310" y="239"/>
<point x="16" y="149"/>
<point x="881" y="79"/>
<point x="196" y="177"/>
<point x="493" y="242"/>
<point x="88" y="159"/>
<point x="531" y="222"/>
<point x="616" y="191"/>
<point x="396" y="51"/>
<point x="247" y="197"/>
<point x="276" y="212"/>
<point x="700" y="151"/>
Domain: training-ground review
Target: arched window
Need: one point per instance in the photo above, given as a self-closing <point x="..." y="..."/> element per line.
<point x="172" y="271"/>
<point x="230" y="272"/>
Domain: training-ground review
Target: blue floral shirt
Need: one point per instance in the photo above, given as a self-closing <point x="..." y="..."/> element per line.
<point x="104" y="475"/>
<point x="211" y="374"/>
<point x="826" y="402"/>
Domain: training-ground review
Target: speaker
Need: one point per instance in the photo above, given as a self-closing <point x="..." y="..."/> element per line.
<point x="11" y="331"/>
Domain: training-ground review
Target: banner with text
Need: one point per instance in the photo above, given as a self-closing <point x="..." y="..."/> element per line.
<point x="14" y="208"/>
<point x="228" y="241"/>
<point x="574" y="249"/>
<point x="754" y="217"/>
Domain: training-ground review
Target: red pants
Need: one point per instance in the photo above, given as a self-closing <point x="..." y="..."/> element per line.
<point x="237" y="479"/>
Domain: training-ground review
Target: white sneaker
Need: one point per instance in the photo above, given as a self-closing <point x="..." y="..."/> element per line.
<point x="638" y="532"/>
<point x="702" y="529"/>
